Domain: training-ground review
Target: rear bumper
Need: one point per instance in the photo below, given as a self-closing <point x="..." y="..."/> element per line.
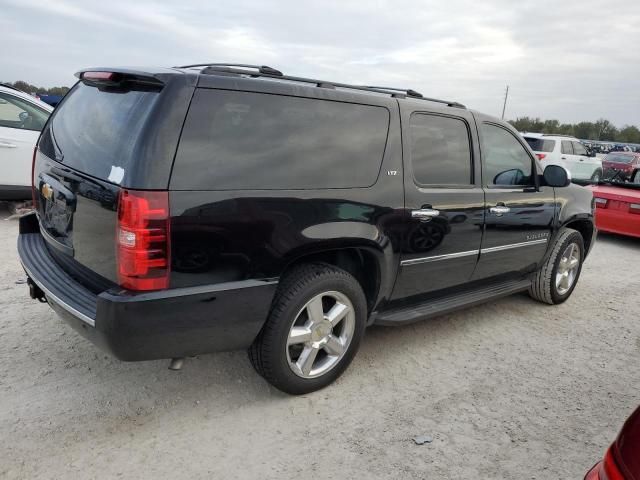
<point x="616" y="221"/>
<point x="152" y="325"/>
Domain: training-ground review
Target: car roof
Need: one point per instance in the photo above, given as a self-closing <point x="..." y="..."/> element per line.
<point x="209" y="74"/>
<point x="25" y="96"/>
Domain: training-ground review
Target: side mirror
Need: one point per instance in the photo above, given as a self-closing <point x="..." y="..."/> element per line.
<point x="556" y="176"/>
<point x="23" y="116"/>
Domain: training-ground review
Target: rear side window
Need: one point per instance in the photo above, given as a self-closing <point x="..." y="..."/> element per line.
<point x="617" y="158"/>
<point x="241" y="140"/>
<point x="440" y="150"/>
<point x="540" y="144"/>
<point x="567" y="148"/>
<point x="96" y="132"/>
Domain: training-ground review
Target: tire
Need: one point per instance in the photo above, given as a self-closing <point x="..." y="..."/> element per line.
<point x="597" y="176"/>
<point x="278" y="354"/>
<point x="544" y="286"/>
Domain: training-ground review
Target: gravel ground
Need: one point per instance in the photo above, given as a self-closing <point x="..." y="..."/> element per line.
<point x="512" y="389"/>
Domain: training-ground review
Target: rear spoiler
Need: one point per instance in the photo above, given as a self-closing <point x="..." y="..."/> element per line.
<point x="120" y="79"/>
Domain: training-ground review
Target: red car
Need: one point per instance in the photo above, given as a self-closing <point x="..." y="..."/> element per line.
<point x="622" y="166"/>
<point x="622" y="460"/>
<point x="617" y="208"/>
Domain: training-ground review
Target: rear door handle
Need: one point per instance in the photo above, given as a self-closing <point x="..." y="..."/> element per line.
<point x="499" y="210"/>
<point x="425" y="214"/>
<point x="5" y="144"/>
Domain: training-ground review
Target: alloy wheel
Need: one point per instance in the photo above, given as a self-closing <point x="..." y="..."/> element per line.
<point x="320" y="334"/>
<point x="568" y="268"/>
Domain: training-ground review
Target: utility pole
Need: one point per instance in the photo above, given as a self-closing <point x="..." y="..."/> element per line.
<point x="504" y="107"/>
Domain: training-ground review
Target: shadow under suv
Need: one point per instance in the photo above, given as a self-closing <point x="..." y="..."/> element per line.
<point x="214" y="207"/>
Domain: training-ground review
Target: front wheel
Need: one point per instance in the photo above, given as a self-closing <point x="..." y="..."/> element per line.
<point x="313" y="331"/>
<point x="597" y="176"/>
<point x="554" y="282"/>
<point x="636" y="177"/>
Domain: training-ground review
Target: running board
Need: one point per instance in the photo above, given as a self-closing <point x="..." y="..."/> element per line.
<point x="441" y="306"/>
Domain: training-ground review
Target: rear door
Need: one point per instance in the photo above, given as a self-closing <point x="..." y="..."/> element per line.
<point x="443" y="198"/>
<point x="519" y="212"/>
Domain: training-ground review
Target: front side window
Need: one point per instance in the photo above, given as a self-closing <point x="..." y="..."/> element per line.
<point x="440" y="150"/>
<point x="579" y="149"/>
<point x="567" y="149"/>
<point x="18" y="113"/>
<point x="506" y="162"/>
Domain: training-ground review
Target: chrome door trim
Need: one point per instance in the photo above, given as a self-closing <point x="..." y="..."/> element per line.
<point x="513" y="245"/>
<point x="435" y="258"/>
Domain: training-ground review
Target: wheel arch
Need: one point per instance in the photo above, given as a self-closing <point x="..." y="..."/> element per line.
<point x="367" y="264"/>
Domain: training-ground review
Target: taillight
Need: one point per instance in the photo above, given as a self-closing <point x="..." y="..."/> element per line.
<point x="143" y="240"/>
<point x="601" y="202"/>
<point x="34" y="194"/>
<point x="609" y="469"/>
<point x="541" y="156"/>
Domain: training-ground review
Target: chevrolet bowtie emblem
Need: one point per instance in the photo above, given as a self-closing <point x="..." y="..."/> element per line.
<point x="47" y="191"/>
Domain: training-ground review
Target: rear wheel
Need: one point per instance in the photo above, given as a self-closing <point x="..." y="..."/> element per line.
<point x="557" y="277"/>
<point x="313" y="331"/>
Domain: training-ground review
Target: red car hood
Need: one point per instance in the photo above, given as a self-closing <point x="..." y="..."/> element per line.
<point x="622" y="194"/>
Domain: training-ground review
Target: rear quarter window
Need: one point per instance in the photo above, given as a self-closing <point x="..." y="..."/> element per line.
<point x="241" y="140"/>
<point x="540" y="144"/>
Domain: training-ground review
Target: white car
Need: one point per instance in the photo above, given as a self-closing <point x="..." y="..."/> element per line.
<point x="21" y="119"/>
<point x="567" y="152"/>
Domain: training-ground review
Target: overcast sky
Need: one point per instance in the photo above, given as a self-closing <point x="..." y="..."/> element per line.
<point x="564" y="59"/>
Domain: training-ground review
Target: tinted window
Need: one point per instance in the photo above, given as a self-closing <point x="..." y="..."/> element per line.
<point x="18" y="113"/>
<point x="506" y="162"/>
<point x="566" y="147"/>
<point x="540" y="144"/>
<point x="96" y="132"/>
<point x="579" y="149"/>
<point x="240" y="140"/>
<point x="440" y="151"/>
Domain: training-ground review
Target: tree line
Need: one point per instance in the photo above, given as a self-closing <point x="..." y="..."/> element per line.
<point x="33" y="89"/>
<point x="602" y="129"/>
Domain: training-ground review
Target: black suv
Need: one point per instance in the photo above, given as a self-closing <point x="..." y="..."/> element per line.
<point x="215" y="207"/>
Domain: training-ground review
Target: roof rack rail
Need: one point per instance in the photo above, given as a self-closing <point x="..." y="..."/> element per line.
<point x="265" y="71"/>
<point x="413" y="94"/>
<point x="557" y="135"/>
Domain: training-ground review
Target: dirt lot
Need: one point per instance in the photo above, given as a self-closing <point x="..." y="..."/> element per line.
<point x="512" y="389"/>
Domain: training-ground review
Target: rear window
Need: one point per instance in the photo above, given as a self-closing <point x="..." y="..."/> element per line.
<point x="617" y="158"/>
<point x="241" y="140"/>
<point x="95" y="132"/>
<point x="540" y="144"/>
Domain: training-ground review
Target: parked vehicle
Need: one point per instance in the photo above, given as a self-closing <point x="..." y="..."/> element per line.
<point x="622" y="166"/>
<point x="52" y="100"/>
<point x="621" y="461"/>
<point x="617" y="208"/>
<point x="566" y="152"/>
<point x="205" y="208"/>
<point x="21" y="119"/>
